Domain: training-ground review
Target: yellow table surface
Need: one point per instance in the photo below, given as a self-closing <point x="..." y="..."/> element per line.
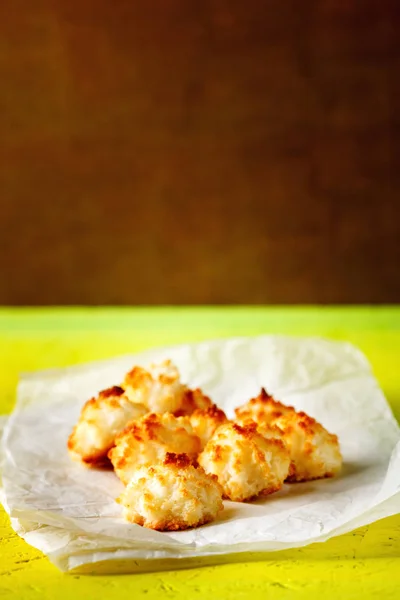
<point x="364" y="563"/>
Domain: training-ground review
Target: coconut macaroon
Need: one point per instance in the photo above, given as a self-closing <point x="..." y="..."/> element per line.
<point x="158" y="388"/>
<point x="315" y="453"/>
<point x="101" y="419"/>
<point x="262" y="409"/>
<point x="193" y="400"/>
<point x="205" y="422"/>
<point x="172" y="495"/>
<point x="247" y="461"/>
<point x="146" y="441"/>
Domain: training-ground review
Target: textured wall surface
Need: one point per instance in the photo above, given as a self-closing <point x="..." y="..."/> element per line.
<point x="184" y="152"/>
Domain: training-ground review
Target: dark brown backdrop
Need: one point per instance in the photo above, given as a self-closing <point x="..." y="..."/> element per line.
<point x="199" y="151"/>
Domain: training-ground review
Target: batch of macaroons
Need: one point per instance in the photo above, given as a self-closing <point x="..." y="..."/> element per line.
<point x="179" y="456"/>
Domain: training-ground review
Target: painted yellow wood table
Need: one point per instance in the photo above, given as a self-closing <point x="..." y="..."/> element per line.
<point x="364" y="563"/>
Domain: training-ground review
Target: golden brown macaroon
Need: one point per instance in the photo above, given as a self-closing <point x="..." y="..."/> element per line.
<point x="146" y="442"/>
<point x="100" y="421"/>
<point x="315" y="453"/>
<point x="248" y="461"/>
<point x="205" y="422"/>
<point x="262" y="409"/>
<point x="193" y="400"/>
<point x="172" y="495"/>
<point x="159" y="388"/>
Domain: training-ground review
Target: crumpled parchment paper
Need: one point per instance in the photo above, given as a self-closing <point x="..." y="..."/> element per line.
<point x="69" y="512"/>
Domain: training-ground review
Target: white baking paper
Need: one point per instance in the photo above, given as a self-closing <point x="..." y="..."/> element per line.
<point x="69" y="512"/>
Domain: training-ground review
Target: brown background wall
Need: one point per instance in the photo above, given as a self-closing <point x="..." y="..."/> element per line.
<point x="199" y="151"/>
